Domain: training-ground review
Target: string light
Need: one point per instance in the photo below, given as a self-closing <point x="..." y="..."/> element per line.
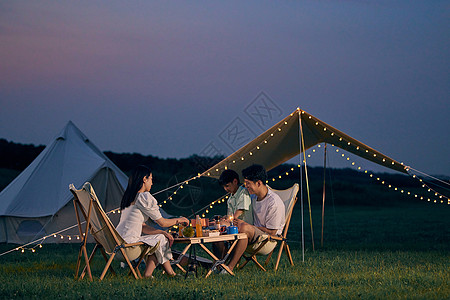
<point x="341" y="139"/>
<point x="325" y="129"/>
<point x="409" y="193"/>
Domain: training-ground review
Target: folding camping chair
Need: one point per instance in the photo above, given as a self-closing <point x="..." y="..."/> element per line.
<point x="267" y="243"/>
<point x="107" y="239"/>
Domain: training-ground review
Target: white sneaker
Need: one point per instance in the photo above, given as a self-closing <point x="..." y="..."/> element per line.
<point x="224" y="272"/>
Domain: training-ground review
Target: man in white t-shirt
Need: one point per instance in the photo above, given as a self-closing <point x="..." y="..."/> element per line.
<point x="268" y="211"/>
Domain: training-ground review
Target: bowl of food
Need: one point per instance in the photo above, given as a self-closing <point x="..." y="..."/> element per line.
<point x="188" y="231"/>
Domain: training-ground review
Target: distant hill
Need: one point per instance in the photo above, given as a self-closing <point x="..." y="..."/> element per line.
<point x="17" y="156"/>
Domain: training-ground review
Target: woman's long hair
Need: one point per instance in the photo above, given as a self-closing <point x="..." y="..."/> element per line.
<point x="135" y="182"/>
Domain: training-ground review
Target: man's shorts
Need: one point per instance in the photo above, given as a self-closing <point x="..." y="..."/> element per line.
<point x="258" y="233"/>
<point x="258" y="239"/>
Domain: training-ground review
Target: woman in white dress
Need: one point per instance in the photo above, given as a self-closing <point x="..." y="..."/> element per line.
<point x="137" y="206"/>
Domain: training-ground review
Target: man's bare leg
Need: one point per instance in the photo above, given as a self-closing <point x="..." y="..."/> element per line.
<point x="241" y="244"/>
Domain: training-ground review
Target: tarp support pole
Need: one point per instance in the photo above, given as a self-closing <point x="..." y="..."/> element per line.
<point x="307" y="181"/>
<point x="323" y="193"/>
<point x="301" y="190"/>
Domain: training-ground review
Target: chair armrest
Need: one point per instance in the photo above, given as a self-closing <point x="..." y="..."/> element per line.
<point x="134" y="244"/>
<point x="276" y="238"/>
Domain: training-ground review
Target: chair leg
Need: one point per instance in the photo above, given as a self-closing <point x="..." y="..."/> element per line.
<point x="141" y="258"/>
<point x="102" y="250"/>
<point x="107" y="266"/>
<point x="268" y="258"/>
<point x="257" y="263"/>
<point x="247" y="259"/>
<point x="88" y="262"/>
<point x="90" y="259"/>
<point x="80" y="254"/>
<point x="279" y="254"/>
<point x="129" y="264"/>
<point x="288" y="252"/>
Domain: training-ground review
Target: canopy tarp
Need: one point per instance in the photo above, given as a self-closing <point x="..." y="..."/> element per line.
<point x="296" y="133"/>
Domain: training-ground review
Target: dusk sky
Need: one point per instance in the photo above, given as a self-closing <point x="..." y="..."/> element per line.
<point x="169" y="78"/>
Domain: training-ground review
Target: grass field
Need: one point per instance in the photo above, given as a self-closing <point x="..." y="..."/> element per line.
<point x="396" y="252"/>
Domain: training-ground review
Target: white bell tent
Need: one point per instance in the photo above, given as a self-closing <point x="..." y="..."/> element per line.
<point x="38" y="202"/>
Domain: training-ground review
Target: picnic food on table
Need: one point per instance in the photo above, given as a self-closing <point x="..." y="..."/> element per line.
<point x="188" y="231"/>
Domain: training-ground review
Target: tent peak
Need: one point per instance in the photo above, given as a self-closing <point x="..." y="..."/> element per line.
<point x="70" y="129"/>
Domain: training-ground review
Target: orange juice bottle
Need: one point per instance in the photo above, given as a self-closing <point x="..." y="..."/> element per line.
<point x="180" y="230"/>
<point x="198" y="226"/>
